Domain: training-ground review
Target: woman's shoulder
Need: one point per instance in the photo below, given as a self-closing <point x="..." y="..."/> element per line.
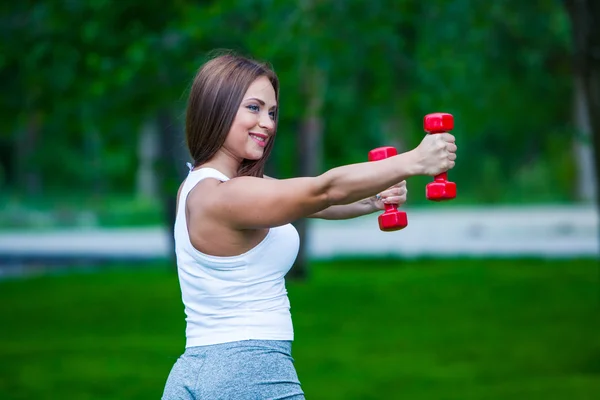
<point x="208" y="172"/>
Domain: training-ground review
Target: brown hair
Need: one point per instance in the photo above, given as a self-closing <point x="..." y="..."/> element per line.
<point x="214" y="100"/>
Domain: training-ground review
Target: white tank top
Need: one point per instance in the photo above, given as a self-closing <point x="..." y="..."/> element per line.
<point x="234" y="298"/>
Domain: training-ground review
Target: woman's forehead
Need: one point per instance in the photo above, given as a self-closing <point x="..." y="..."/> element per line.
<point x="263" y="89"/>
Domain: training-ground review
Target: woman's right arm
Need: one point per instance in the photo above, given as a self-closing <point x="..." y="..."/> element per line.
<point x="253" y="203"/>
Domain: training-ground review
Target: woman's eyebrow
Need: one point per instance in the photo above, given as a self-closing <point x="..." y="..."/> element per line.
<point x="262" y="103"/>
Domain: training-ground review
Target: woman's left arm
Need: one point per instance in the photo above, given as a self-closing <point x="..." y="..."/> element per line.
<point x="394" y="195"/>
<point x="347" y="211"/>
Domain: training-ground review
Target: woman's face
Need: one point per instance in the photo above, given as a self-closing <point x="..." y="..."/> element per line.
<point x="254" y="123"/>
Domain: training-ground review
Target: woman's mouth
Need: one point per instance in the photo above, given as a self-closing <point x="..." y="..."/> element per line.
<point x="261" y="140"/>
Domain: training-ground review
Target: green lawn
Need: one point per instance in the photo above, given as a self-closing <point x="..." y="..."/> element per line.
<point x="365" y="329"/>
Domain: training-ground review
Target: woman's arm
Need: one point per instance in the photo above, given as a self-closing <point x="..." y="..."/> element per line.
<point x="346" y="211"/>
<point x="394" y="195"/>
<point x="254" y="203"/>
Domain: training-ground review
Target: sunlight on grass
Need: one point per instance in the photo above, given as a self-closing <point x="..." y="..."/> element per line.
<point x="365" y="329"/>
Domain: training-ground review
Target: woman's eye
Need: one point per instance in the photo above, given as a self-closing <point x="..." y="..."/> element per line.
<point x="272" y="115"/>
<point x="253" y="108"/>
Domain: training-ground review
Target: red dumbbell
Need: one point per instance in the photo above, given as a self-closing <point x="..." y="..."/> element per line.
<point x="391" y="219"/>
<point x="440" y="189"/>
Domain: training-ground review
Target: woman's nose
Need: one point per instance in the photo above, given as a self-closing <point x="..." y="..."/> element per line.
<point x="266" y="122"/>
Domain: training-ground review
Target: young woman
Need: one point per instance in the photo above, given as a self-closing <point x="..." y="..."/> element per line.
<point x="234" y="238"/>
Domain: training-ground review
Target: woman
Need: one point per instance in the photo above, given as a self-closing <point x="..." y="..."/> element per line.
<point x="234" y="238"/>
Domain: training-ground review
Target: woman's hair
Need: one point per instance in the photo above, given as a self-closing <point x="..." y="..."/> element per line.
<point x="214" y="100"/>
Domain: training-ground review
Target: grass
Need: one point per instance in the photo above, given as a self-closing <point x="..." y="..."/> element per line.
<point x="365" y="329"/>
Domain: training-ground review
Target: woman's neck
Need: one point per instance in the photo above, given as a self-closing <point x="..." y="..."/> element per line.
<point x="224" y="163"/>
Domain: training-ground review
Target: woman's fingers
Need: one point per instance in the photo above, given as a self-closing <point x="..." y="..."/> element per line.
<point x="396" y="194"/>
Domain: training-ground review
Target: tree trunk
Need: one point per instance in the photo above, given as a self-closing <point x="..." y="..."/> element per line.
<point x="584" y="156"/>
<point x="93" y="153"/>
<point x="309" y="141"/>
<point x="146" y="179"/>
<point x="310" y="155"/>
<point x="585" y="28"/>
<point x="28" y="176"/>
<point x="6" y="164"/>
<point x="170" y="169"/>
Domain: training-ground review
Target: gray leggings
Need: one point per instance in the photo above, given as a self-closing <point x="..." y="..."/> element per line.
<point x="244" y="370"/>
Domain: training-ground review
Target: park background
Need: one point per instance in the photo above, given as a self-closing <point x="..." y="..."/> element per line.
<point x="494" y="295"/>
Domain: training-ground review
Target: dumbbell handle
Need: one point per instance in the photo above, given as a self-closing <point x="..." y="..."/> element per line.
<point x="392" y="219"/>
<point x="439" y="123"/>
<point x="440" y="189"/>
<point x="443" y="177"/>
<point x="390" y="207"/>
<point x="382" y="153"/>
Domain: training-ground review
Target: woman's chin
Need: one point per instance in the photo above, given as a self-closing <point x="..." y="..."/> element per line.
<point x="255" y="155"/>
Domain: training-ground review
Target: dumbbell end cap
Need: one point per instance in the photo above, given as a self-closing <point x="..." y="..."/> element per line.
<point x="438" y="122"/>
<point x="440" y="191"/>
<point x="382" y="153"/>
<point x="393" y="221"/>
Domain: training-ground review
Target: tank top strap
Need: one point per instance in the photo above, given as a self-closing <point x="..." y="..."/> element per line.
<point x="206" y="172"/>
<point x="194" y="177"/>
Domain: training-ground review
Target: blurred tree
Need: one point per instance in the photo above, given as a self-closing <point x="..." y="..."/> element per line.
<point x="313" y="82"/>
<point x="585" y="29"/>
<point x="96" y="71"/>
<point x="489" y="63"/>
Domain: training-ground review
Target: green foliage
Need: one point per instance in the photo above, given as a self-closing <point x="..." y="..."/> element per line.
<point x="364" y="329"/>
<point x="94" y="71"/>
<point x="81" y="210"/>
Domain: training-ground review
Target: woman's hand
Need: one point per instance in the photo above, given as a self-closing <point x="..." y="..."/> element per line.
<point x="435" y="154"/>
<point x="393" y="195"/>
